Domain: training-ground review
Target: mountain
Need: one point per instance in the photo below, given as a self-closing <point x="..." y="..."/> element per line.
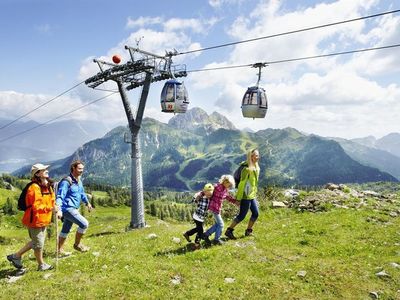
<point x="46" y="143"/>
<point x="181" y="156"/>
<point x="198" y="121"/>
<point x="371" y="156"/>
<point x="389" y="143"/>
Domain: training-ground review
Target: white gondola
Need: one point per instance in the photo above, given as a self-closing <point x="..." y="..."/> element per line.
<point x="174" y="97"/>
<point x="254" y="102"/>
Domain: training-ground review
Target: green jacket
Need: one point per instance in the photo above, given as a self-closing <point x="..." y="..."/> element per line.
<point x="252" y="178"/>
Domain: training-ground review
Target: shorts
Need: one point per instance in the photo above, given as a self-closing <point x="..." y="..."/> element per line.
<point x="38" y="236"/>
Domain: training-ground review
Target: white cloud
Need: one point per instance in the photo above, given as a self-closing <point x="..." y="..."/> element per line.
<point x="44" y="28"/>
<point x="142" y="22"/>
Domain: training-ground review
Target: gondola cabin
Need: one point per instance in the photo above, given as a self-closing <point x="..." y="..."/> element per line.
<point x="174" y="97"/>
<point x="254" y="103"/>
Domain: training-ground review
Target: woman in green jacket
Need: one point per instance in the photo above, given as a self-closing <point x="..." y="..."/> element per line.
<point x="246" y="193"/>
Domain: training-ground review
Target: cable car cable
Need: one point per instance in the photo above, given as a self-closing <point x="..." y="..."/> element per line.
<point x="41" y="105"/>
<point x="213" y="69"/>
<point x="290" y="32"/>
<point x="56" y="118"/>
<point x="298" y="59"/>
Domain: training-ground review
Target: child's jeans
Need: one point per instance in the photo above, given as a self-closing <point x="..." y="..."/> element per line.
<point x="217" y="227"/>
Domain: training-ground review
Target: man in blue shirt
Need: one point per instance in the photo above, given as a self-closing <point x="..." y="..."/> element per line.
<point x="70" y="194"/>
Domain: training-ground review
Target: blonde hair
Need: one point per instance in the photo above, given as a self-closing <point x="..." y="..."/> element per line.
<point x="250" y="163"/>
<point x="227" y="178"/>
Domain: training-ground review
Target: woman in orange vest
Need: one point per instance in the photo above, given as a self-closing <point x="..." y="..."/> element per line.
<point x="40" y="200"/>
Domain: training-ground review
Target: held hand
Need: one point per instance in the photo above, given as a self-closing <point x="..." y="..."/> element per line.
<point x="59" y="214"/>
<point x="90" y="207"/>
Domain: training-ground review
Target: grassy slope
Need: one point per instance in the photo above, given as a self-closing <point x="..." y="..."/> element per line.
<point x="341" y="251"/>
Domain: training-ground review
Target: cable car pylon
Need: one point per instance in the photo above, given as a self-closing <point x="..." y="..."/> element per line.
<point x="254" y="102"/>
<point x="133" y="74"/>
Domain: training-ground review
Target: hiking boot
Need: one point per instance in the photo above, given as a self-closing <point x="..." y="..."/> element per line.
<point x="81" y="248"/>
<point x="248" y="232"/>
<point x="45" y="267"/>
<point x="187" y="237"/>
<point x="218" y="242"/>
<point x="229" y="234"/>
<point x="207" y="241"/>
<point x="17" y="262"/>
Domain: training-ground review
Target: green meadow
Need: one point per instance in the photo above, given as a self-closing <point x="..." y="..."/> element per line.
<point x="335" y="254"/>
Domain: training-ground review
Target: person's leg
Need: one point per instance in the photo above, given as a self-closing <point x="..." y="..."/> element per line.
<point x="66" y="228"/>
<point x="200" y="231"/>
<point x="38" y="236"/>
<point x="74" y="216"/>
<point x="253" y="218"/>
<point x="244" y="208"/>
<point x="219" y="222"/>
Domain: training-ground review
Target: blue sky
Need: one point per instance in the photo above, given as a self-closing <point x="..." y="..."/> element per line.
<point x="48" y="46"/>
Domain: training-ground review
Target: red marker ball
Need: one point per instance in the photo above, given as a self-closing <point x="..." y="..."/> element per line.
<point x="116" y="59"/>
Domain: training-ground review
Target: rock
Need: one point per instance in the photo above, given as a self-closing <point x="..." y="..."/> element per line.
<point x="371" y="194"/>
<point x="382" y="274"/>
<point x="395" y="265"/>
<point x="374" y="295"/>
<point x="152" y="236"/>
<point x="176" y="240"/>
<point x="12" y="279"/>
<point x="290" y="193"/>
<point x="229" y="280"/>
<point x="393" y="214"/>
<point x="176" y="280"/>
<point x="302" y="274"/>
<point x="278" y="204"/>
<point x="331" y="186"/>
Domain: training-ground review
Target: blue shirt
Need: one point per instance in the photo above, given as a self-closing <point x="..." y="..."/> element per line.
<point x="70" y="196"/>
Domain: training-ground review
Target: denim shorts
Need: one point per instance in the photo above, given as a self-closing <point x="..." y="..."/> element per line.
<point x="38" y="236"/>
<point x="73" y="216"/>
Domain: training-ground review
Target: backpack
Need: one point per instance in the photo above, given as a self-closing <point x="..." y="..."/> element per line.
<point x="57" y="183"/>
<point x="238" y="173"/>
<point x="22" y="198"/>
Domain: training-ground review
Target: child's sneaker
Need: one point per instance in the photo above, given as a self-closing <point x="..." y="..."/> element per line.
<point x="45" y="267"/>
<point x="187" y="237"/>
<point x="248" y="232"/>
<point x="229" y="233"/>
<point x="17" y="262"/>
<point x="218" y="242"/>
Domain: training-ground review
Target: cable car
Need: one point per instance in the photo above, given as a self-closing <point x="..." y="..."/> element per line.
<point x="174" y="97"/>
<point x="254" y="102"/>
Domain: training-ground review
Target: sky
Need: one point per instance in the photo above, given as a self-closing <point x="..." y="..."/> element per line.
<point x="48" y="47"/>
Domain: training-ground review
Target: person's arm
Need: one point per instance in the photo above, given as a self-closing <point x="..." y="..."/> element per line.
<point x="63" y="188"/>
<point x="232" y="200"/>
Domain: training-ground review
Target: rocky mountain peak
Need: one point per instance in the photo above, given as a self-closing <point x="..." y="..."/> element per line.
<point x="198" y="121"/>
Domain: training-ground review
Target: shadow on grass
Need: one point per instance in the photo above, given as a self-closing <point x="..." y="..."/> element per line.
<point x="190" y="247"/>
<point x="12" y="272"/>
<point x="104" y="233"/>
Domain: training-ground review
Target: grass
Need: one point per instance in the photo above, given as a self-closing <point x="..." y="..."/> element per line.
<point x="341" y="251"/>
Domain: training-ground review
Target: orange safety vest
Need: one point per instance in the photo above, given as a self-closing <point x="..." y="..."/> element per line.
<point x="40" y="203"/>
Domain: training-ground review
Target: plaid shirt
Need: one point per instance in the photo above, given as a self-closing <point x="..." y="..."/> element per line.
<point x="202" y="205"/>
<point x="220" y="193"/>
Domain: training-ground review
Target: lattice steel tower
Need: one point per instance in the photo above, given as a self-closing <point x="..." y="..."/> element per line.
<point x="141" y="70"/>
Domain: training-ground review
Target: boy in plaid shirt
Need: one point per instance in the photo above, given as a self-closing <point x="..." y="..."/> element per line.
<point x="202" y="199"/>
